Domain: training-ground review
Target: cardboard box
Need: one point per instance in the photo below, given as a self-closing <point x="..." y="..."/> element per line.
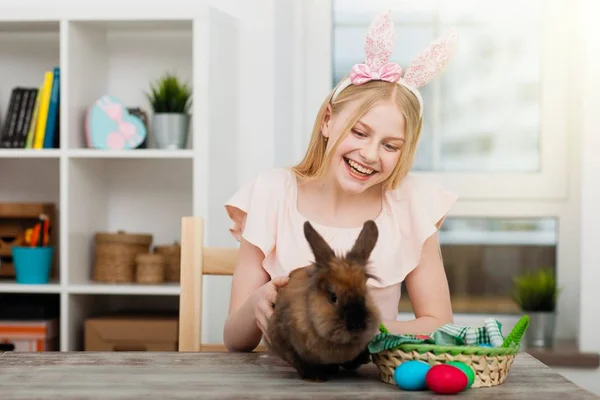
<point x="36" y="335"/>
<point x="131" y="333"/>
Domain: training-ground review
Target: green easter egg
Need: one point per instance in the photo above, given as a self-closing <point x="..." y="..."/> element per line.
<point x="466" y="369"/>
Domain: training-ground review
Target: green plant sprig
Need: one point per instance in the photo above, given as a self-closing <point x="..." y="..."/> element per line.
<point x="169" y="95"/>
<point x="536" y="291"/>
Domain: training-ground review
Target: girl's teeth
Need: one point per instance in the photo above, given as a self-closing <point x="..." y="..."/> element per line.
<point x="366" y="171"/>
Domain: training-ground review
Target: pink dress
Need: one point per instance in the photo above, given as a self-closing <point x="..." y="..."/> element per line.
<point x="264" y="212"/>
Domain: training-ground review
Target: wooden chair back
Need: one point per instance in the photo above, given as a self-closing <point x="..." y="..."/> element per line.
<point x="197" y="261"/>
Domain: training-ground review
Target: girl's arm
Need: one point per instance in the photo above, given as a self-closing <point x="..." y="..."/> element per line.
<point x="427" y="288"/>
<point x="241" y="333"/>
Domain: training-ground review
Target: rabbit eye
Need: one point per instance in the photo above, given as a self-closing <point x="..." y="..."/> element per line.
<point x="332" y="297"/>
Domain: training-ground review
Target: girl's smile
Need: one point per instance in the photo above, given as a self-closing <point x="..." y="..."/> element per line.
<point x="357" y="170"/>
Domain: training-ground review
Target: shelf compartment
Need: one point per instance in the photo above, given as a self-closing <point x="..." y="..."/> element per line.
<point x="131" y="195"/>
<point x="29" y="49"/>
<point x="37" y="313"/>
<point x="84" y="306"/>
<point x="26" y="184"/>
<point x="122" y="58"/>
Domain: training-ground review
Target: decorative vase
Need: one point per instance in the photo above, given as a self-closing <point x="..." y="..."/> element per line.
<point x="541" y="329"/>
<point x="109" y="125"/>
<point x="170" y="130"/>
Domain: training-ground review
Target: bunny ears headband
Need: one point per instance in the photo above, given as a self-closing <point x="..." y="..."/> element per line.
<point x="379" y="44"/>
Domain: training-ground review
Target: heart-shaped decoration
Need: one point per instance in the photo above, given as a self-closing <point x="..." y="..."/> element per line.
<point x="110" y="126"/>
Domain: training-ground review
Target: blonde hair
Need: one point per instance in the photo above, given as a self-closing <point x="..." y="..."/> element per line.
<point x="316" y="160"/>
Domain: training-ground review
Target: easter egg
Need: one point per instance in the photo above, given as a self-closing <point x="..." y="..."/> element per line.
<point x="464" y="368"/>
<point x="410" y="375"/>
<point x="446" y="379"/>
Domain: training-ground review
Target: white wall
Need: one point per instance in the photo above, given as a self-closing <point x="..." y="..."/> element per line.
<point x="589" y="324"/>
<point x="256" y="146"/>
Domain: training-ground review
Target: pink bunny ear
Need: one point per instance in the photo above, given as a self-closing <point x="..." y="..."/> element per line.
<point x="379" y="42"/>
<point x="432" y="61"/>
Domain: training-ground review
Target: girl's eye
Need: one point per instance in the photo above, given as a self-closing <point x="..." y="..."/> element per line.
<point x="359" y="134"/>
<point x="390" y="147"/>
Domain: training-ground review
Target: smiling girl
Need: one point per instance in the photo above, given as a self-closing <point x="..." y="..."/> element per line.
<point x="356" y="168"/>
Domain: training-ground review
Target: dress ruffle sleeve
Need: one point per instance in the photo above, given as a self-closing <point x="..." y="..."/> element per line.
<point x="254" y="208"/>
<point x="430" y="203"/>
<point x="419" y="207"/>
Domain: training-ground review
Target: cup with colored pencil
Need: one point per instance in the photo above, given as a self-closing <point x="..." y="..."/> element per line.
<point x="33" y="260"/>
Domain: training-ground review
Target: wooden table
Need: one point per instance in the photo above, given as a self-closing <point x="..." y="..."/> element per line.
<point x="149" y="376"/>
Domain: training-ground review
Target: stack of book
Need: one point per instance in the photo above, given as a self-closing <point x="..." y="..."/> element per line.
<point x="32" y="117"/>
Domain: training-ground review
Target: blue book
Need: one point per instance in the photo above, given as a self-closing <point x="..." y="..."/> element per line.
<point x="52" y="121"/>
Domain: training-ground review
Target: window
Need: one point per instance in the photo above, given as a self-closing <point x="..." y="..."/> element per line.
<point x="482" y="255"/>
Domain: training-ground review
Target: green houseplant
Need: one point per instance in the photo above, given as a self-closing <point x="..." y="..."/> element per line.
<point x="536" y="294"/>
<point x="171" y="100"/>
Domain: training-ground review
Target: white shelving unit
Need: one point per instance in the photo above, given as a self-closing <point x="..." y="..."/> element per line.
<point x="139" y="191"/>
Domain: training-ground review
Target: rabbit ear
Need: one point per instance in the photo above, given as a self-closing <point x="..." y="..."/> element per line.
<point x="361" y="251"/>
<point x="323" y="253"/>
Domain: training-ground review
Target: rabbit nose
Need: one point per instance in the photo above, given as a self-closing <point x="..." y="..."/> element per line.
<point x="355" y="325"/>
<point x="355" y="313"/>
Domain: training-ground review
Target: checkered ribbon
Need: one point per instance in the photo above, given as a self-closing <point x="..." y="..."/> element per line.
<point x="450" y="335"/>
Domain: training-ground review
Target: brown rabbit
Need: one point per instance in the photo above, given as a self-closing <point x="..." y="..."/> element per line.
<point x="324" y="318"/>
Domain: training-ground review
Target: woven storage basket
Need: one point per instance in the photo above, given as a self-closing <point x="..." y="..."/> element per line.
<point x="150" y="268"/>
<point x="172" y="255"/>
<point x="116" y="253"/>
<point x="491" y="365"/>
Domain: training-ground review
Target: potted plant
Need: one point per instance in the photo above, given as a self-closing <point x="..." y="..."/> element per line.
<point x="170" y="99"/>
<point x="536" y="294"/>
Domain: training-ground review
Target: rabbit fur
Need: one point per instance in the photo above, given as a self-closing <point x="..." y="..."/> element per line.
<point x="324" y="317"/>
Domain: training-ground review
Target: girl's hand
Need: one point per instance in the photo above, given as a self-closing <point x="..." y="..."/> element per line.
<point x="265" y="301"/>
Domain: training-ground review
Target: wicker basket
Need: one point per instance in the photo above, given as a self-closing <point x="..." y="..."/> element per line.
<point x="491" y="365"/>
<point x="172" y="255"/>
<point x="115" y="255"/>
<point x="150" y="268"/>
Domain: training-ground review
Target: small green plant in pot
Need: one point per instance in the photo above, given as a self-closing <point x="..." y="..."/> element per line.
<point x="536" y="294"/>
<point x="171" y="100"/>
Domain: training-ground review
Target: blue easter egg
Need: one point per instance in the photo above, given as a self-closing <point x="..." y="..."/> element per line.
<point x="410" y="375"/>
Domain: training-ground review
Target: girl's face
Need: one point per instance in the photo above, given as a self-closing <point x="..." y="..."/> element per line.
<point x="369" y="153"/>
